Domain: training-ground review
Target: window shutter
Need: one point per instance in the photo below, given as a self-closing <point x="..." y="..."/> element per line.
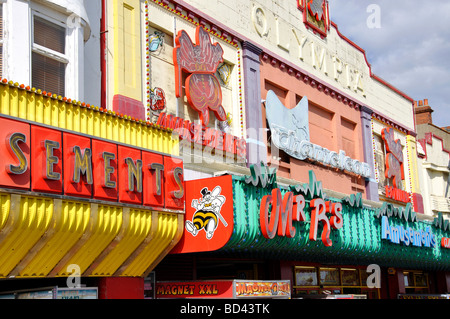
<point x="48" y="74"/>
<point x="49" y="35"/>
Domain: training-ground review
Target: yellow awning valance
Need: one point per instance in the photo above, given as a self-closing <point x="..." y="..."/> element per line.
<point x="44" y="237"/>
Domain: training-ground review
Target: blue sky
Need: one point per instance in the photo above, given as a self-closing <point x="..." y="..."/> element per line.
<point x="408" y="46"/>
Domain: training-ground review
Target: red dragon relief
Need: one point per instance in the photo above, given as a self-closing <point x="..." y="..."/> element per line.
<point x="201" y="60"/>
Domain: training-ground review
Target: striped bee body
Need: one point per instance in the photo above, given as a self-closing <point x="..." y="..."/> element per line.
<point x="201" y="218"/>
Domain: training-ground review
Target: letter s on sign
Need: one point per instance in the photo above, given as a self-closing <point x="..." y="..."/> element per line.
<point x="336" y="219"/>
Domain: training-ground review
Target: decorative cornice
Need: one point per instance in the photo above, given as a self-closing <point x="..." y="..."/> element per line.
<point x="247" y="45"/>
<point x="394" y="124"/>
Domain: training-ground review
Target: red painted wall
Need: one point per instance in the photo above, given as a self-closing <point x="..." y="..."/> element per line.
<point x="121" y="288"/>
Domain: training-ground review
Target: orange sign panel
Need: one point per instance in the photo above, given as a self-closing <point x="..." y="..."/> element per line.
<point x="195" y="289"/>
<point x="209" y="215"/>
<point x="15" y="154"/>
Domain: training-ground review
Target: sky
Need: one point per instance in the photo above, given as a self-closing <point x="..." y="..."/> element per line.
<point x="407" y="43"/>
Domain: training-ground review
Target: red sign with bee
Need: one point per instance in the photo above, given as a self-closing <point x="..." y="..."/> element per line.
<point x="209" y="215"/>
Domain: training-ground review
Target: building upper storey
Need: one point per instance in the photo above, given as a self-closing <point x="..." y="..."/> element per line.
<point x="289" y="34"/>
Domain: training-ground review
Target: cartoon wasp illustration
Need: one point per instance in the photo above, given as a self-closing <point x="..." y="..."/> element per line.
<point x="201" y="60"/>
<point x="207" y="212"/>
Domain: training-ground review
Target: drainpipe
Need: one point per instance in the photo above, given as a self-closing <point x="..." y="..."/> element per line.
<point x="103" y="102"/>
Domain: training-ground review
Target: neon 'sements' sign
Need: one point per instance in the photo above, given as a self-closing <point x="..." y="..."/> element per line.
<point x="42" y="159"/>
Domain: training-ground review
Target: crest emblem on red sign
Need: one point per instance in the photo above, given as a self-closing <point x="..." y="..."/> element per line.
<point x="315" y="15"/>
<point x="201" y="60"/>
<point x="316" y="8"/>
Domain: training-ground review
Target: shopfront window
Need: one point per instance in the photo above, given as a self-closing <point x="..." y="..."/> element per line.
<point x="416" y="282"/>
<point x="350" y="277"/>
<point x="314" y="281"/>
<point x="329" y="277"/>
<point x="305" y="276"/>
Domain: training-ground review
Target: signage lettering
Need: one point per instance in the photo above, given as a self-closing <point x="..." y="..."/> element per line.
<point x="407" y="236"/>
<point x="288" y="142"/>
<point x="282" y="214"/>
<point x="51" y="160"/>
<point x="83" y="165"/>
<point x="318" y="213"/>
<point x="108" y="169"/>
<point x="397" y="194"/>
<point x="290" y="133"/>
<point x="194" y="289"/>
<point x="261" y="289"/>
<point x="304" y="49"/>
<point x="16" y="151"/>
<point x="445" y="242"/>
<point x="277" y="213"/>
<point x="175" y="289"/>
<point x="399" y="234"/>
<point x="87" y="167"/>
<point x="205" y="136"/>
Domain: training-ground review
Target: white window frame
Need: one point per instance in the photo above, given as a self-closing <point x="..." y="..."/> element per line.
<point x="37" y="48"/>
<point x="47" y="52"/>
<point x="19" y="39"/>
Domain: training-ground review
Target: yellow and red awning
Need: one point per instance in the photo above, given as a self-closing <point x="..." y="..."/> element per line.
<point x="84" y="187"/>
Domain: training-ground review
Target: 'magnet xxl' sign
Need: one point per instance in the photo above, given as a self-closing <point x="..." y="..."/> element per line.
<point x="47" y="160"/>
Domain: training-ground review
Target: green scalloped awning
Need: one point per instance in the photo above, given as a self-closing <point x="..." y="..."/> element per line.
<point x="358" y="242"/>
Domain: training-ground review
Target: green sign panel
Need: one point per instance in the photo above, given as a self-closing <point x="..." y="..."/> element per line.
<point x="301" y="222"/>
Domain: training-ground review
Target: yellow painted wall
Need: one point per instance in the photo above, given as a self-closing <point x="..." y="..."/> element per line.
<point x="411" y="145"/>
<point x="124" y="43"/>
